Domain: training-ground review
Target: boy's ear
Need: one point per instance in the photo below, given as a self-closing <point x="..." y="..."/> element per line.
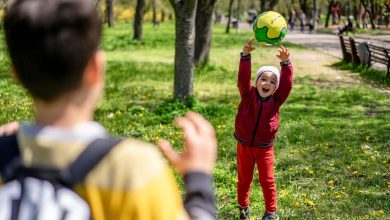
<point x="95" y="68"/>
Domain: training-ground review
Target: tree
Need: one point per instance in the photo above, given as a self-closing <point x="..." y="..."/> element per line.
<point x="203" y="30"/>
<point x="355" y="12"/>
<point x="266" y="5"/>
<point x="138" y="19"/>
<point x="229" y="16"/>
<point x="303" y="6"/>
<point x="110" y="13"/>
<point x="184" y="49"/>
<point x="262" y="5"/>
<point x="370" y="10"/>
<point x="330" y="4"/>
<point x="238" y="12"/>
<point x="154" y="10"/>
<point x="315" y="14"/>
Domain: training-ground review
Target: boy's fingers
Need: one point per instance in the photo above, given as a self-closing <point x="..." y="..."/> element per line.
<point x="200" y="123"/>
<point x="168" y="152"/>
<point x="185" y="125"/>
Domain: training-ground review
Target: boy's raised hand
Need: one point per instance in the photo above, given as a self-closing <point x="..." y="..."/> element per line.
<point x="248" y="48"/>
<point x="283" y="55"/>
<point x="200" y="145"/>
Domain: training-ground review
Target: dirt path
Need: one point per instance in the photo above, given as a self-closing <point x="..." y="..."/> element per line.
<point x="327" y="43"/>
<point x="326" y="51"/>
<point x="317" y="65"/>
<point x="330" y="43"/>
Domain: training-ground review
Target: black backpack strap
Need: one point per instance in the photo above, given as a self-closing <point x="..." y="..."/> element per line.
<point x="9" y="153"/>
<point x="88" y="159"/>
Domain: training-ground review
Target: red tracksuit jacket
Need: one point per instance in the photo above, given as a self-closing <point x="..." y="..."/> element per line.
<point x="257" y="120"/>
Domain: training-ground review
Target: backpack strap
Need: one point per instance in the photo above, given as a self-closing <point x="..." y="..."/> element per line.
<point x="88" y="159"/>
<point x="71" y="175"/>
<point x="9" y="153"/>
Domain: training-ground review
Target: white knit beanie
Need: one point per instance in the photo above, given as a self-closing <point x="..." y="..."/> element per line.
<point x="268" y="69"/>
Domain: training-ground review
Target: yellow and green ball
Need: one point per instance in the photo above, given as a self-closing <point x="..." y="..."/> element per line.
<point x="270" y="27"/>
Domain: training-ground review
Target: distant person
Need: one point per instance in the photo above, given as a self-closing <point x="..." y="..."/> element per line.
<point x="54" y="50"/>
<point x="348" y="27"/>
<point x="302" y="19"/>
<point x="291" y="20"/>
<point x="336" y="12"/>
<point x="256" y="126"/>
<point x="252" y="14"/>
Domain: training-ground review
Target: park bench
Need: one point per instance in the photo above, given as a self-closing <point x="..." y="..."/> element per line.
<point x="348" y="48"/>
<point x="376" y="54"/>
<point x="379" y="55"/>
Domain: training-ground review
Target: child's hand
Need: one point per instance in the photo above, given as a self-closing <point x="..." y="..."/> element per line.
<point x="248" y="48"/>
<point x="284" y="55"/>
<point x="200" y="145"/>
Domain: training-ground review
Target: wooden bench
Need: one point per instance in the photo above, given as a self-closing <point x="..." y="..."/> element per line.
<point x="379" y="55"/>
<point x="348" y="48"/>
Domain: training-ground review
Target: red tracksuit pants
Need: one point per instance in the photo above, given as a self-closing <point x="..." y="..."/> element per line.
<point x="247" y="157"/>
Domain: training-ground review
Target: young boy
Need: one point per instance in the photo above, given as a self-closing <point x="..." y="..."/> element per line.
<point x="53" y="45"/>
<point x="256" y="126"/>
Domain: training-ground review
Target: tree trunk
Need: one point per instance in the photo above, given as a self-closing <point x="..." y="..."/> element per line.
<point x="315" y="14"/>
<point x="272" y="4"/>
<point x="154" y="10"/>
<point x="138" y="19"/>
<point x="162" y="15"/>
<point x="238" y="12"/>
<point x="355" y="13"/>
<point x="184" y="49"/>
<point x="328" y="13"/>
<point x="303" y="6"/>
<point x="203" y="30"/>
<point x="388" y="14"/>
<point x="229" y="16"/>
<point x="262" y="6"/>
<point x="370" y="14"/>
<point x="110" y="13"/>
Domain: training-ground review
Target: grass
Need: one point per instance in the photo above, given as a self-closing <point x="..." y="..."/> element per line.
<point x="332" y="149"/>
<point x="374" y="76"/>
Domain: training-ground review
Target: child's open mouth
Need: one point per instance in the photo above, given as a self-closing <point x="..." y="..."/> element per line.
<point x="265" y="90"/>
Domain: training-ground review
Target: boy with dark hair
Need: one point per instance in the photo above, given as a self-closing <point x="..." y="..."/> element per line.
<point x="53" y="45"/>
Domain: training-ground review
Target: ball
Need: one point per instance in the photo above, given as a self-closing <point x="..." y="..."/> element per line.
<point x="270" y="27"/>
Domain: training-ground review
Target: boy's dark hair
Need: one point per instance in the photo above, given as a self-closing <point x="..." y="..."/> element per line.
<point x="50" y="42"/>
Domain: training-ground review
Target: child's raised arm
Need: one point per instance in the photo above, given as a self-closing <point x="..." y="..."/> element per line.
<point x="244" y="70"/>
<point x="286" y="76"/>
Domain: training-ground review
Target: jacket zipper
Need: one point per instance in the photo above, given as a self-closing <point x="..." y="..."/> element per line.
<point x="257" y="123"/>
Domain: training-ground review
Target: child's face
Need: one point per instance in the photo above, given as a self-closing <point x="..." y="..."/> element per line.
<point x="266" y="84"/>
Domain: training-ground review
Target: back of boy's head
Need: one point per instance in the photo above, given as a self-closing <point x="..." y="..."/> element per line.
<point x="50" y="43"/>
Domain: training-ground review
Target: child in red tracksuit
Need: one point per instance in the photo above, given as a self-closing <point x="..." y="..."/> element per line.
<point x="256" y="126"/>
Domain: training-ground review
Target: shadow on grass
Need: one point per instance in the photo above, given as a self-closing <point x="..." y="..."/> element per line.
<point x="374" y="77"/>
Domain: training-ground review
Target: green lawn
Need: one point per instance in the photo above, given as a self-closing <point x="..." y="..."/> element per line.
<point x="332" y="149"/>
